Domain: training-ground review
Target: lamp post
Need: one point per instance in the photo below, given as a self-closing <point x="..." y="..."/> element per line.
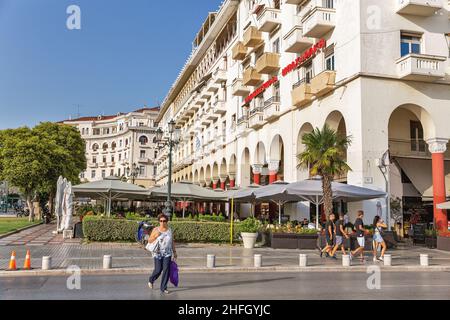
<point x="172" y="141"/>
<point x="133" y="172"/>
<point x="384" y="165"/>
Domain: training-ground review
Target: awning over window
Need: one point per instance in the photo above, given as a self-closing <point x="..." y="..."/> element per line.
<point x="419" y="171"/>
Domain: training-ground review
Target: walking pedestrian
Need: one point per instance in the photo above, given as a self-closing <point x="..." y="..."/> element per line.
<point x="163" y="255"/>
<point x="330" y="230"/>
<point x="378" y="240"/>
<point x="340" y="234"/>
<point x="360" y="234"/>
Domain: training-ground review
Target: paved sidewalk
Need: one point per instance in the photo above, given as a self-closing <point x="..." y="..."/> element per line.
<point x="42" y="242"/>
<point x="130" y="256"/>
<point x="37" y="236"/>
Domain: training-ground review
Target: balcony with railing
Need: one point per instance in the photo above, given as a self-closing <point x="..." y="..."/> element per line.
<point x="242" y="124"/>
<point x="269" y="19"/>
<point x="256" y="118"/>
<point x="301" y="94"/>
<point x="295" y="41"/>
<point x="409" y="148"/>
<point x="219" y="76"/>
<point x="206" y="94"/>
<point x="220" y="107"/>
<point x="252" y="37"/>
<point x="320" y="20"/>
<point x="213" y="86"/>
<point x="272" y="108"/>
<point x="239" y="89"/>
<point x="251" y="77"/>
<point x="239" y="51"/>
<point x="323" y="83"/>
<point x="268" y="63"/>
<point x="421" y="67"/>
<point x="424" y="8"/>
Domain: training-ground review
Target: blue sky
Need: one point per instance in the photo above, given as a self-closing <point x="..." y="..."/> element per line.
<point x="126" y="55"/>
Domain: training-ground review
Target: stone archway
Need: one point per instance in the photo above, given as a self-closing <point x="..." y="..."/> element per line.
<point x="302" y="173"/>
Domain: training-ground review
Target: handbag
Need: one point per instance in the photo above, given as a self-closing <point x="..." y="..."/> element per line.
<point x="153" y="247"/>
<point x="173" y="273"/>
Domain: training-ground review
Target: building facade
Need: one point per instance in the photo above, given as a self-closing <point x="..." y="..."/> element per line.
<point x="264" y="73"/>
<point x="120" y="145"/>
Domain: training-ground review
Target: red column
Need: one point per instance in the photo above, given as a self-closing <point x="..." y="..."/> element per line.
<point x="257" y="178"/>
<point x="232" y="183"/>
<point x="214" y="185"/>
<point x="222" y="185"/>
<point x="257" y="170"/>
<point x="272" y="177"/>
<point x="439" y="192"/>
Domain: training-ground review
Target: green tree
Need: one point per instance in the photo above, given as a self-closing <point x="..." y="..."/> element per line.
<point x="32" y="160"/>
<point x="69" y="156"/>
<point x="25" y="161"/>
<point x="324" y="155"/>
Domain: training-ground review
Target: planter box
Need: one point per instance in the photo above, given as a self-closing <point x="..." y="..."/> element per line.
<point x="294" y="241"/>
<point x="431" y="242"/>
<point x="443" y="243"/>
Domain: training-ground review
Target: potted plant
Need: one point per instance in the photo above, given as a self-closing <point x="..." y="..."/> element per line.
<point x="249" y="229"/>
<point x="431" y="238"/>
<point x="294" y="237"/>
<point x="443" y="241"/>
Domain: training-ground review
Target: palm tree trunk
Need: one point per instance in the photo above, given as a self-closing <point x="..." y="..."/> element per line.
<point x="327" y="195"/>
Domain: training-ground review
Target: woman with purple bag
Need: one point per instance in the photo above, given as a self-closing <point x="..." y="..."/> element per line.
<point x="162" y="247"/>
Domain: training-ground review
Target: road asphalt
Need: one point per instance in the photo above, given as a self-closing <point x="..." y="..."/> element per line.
<point x="236" y="286"/>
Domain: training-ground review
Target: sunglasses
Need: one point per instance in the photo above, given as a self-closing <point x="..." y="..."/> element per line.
<point x="163" y="221"/>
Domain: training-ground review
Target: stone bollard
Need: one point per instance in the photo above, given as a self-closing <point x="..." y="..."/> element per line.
<point x="424" y="260"/>
<point x="211" y="261"/>
<point x="303" y="260"/>
<point x="387" y="260"/>
<point x="46" y="263"/>
<point x="107" y="262"/>
<point x="258" y="261"/>
<point x="346" y="261"/>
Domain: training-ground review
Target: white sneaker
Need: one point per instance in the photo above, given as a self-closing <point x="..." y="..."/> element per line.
<point x="375" y="259"/>
<point x="381" y="259"/>
<point x="150" y="285"/>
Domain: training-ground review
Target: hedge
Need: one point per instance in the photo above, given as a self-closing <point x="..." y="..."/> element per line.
<point x="111" y="230"/>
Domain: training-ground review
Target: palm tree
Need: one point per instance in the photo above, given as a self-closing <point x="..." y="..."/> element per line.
<point x="324" y="156"/>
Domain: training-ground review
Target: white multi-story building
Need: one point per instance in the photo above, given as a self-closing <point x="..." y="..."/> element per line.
<point x="263" y="73"/>
<point x="120" y="145"/>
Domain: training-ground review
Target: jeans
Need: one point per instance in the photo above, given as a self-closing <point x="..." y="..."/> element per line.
<point x="162" y="265"/>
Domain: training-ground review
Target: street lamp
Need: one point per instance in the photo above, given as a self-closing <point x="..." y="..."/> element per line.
<point x="384" y="166"/>
<point x="133" y="172"/>
<point x="172" y="141"/>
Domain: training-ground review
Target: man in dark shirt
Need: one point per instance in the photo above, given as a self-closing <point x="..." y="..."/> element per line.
<point x="360" y="234"/>
<point x="330" y="230"/>
<point x="340" y="234"/>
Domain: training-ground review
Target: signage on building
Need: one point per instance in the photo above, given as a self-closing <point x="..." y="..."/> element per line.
<point x="308" y="54"/>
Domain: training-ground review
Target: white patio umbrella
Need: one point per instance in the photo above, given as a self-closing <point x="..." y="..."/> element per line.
<point x="311" y="190"/>
<point x="58" y="202"/>
<point x="187" y="191"/>
<point x="276" y="192"/>
<point x="109" y="189"/>
<point x="246" y="194"/>
<point x="444" y="206"/>
<point x="67" y="207"/>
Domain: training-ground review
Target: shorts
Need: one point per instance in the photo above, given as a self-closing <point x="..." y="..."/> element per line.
<point x="339" y="240"/>
<point x="378" y="238"/>
<point x="329" y="242"/>
<point x="362" y="241"/>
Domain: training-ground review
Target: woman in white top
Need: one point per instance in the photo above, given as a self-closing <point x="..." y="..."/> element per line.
<point x="163" y="256"/>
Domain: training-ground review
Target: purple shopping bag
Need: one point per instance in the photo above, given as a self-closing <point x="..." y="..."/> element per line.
<point x="173" y="273"/>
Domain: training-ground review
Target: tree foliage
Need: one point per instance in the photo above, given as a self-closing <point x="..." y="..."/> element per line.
<point x="33" y="159"/>
<point x="324" y="155"/>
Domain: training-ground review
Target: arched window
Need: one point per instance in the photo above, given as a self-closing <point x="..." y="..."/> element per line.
<point x="126" y="142"/>
<point x="95" y="147"/>
<point x="143" y="140"/>
<point x="113" y="146"/>
<point x="105" y="146"/>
